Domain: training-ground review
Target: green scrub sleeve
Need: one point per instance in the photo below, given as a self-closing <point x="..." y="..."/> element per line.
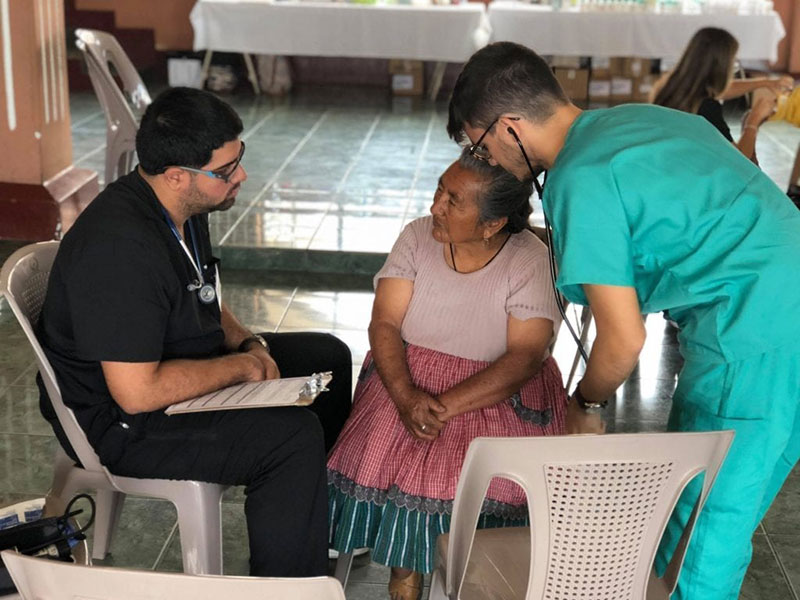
<point x="592" y="235"/>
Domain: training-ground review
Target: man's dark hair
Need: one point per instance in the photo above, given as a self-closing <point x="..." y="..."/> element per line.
<point x="503" y="195"/>
<point x="503" y="77"/>
<point x="183" y="127"/>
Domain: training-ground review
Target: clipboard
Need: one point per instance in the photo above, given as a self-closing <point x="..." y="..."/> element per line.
<point x="291" y="391"/>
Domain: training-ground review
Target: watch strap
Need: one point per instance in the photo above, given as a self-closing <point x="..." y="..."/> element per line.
<point x="253" y="339"/>
<point x="587" y="404"/>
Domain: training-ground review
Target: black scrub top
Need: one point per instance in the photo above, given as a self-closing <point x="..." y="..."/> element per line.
<point x="118" y="292"/>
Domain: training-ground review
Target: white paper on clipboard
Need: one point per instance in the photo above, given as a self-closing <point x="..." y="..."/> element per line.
<point x="291" y="391"/>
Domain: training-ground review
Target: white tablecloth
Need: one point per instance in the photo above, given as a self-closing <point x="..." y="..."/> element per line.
<point x="440" y="33"/>
<point x="627" y="34"/>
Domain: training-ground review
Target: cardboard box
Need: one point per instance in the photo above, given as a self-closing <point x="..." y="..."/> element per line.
<point x="407" y="77"/>
<point x="639" y="67"/>
<point x="601" y="62"/>
<point x="599" y="89"/>
<point x="566" y="62"/>
<point x="575" y="82"/>
<point x="601" y="67"/>
<point x="642" y="87"/>
<point x="621" y="89"/>
<point x="620" y="66"/>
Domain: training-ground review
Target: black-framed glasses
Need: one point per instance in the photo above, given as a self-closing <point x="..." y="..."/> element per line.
<point x="225" y="172"/>
<point x="478" y="150"/>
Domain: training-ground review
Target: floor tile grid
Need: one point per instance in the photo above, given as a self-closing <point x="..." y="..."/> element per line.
<point x="781" y="566"/>
<point x="91" y="122"/>
<point x="268" y="185"/>
<point x="78" y="124"/>
<point x="92" y="158"/>
<point x="336" y="195"/>
<point x="285" y="311"/>
<point x="258" y="125"/>
<point x="342" y="203"/>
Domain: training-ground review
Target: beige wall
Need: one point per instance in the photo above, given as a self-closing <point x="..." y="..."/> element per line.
<point x="169" y="19"/>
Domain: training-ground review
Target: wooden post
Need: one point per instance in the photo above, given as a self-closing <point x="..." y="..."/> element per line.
<point x="41" y="192"/>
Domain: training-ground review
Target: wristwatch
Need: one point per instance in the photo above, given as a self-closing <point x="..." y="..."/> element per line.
<point x="586" y="405"/>
<point x="253" y="339"/>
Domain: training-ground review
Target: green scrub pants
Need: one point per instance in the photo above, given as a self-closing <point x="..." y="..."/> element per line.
<point x="758" y="397"/>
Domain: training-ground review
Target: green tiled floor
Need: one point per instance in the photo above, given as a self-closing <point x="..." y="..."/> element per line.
<point x="334" y="174"/>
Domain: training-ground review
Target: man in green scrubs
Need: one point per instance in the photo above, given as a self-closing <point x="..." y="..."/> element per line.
<point x="653" y="210"/>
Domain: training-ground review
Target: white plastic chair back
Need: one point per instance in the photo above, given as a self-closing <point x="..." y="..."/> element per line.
<point x="39" y="579"/>
<point x="23" y="281"/>
<point x="122" y="107"/>
<point x="598" y="507"/>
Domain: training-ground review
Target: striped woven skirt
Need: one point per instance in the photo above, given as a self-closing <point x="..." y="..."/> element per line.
<point x="391" y="492"/>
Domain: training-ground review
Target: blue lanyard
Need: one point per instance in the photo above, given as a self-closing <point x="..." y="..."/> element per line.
<point x="176" y="233"/>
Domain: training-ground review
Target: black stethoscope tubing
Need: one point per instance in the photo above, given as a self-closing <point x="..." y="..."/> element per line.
<point x="540" y="191"/>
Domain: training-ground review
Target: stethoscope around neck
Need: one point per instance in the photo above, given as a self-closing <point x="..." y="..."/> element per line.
<point x="206" y="293"/>
<point x="540" y="191"/>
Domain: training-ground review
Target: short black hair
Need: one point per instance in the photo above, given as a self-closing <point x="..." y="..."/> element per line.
<point x="182" y="127"/>
<point x="503" y="195"/>
<point x="499" y="78"/>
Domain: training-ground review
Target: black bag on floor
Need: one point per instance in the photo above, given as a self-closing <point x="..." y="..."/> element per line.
<point x="52" y="538"/>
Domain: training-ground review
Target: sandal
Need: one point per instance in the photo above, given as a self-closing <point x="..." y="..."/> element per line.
<point x="406" y="588"/>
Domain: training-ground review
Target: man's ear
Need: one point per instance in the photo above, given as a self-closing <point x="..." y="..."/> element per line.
<point x="510" y="122"/>
<point x="509" y="130"/>
<point x="175" y="178"/>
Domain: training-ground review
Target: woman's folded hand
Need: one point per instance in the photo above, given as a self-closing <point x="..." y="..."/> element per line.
<point x="419" y="413"/>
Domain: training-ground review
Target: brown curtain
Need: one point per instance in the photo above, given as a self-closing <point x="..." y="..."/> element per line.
<point x="789" y="48"/>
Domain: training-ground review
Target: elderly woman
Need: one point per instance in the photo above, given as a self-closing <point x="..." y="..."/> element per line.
<point x="463" y="318"/>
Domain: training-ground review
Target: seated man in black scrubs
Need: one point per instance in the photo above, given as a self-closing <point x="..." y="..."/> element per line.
<point x="133" y="322"/>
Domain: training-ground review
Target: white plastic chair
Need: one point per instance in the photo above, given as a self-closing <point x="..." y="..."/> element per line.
<point x="23" y="281"/>
<point x="39" y="578"/>
<point x="122" y="107"/>
<point x="598" y="507"/>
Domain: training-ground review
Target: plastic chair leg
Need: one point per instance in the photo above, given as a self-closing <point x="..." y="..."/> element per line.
<point x="437" y="591"/>
<point x="112" y="160"/>
<point x="125" y="163"/>
<point x="200" y="526"/>
<point x="109" y="508"/>
<point x="343" y="564"/>
<point x="56" y="497"/>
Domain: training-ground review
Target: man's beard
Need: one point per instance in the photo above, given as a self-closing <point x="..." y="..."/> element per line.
<point x="229" y="201"/>
<point x="199" y="203"/>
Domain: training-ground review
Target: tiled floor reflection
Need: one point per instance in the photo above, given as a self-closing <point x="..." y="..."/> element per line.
<point x="339" y="172"/>
<point x="321" y="166"/>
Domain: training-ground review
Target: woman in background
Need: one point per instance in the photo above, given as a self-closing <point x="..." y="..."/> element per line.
<point x="703" y="78"/>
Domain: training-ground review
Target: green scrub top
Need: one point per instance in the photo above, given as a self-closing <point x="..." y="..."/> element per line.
<point x="657" y="199"/>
